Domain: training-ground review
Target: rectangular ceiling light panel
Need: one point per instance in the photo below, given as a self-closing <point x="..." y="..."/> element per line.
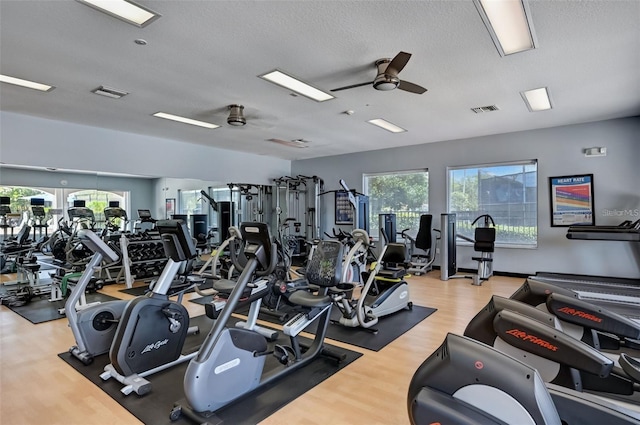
<point x="127" y="11"/>
<point x="537" y="99"/>
<point x="185" y="120"/>
<point x="509" y="24"/>
<point x="300" y="87"/>
<point x="387" y="125"/>
<point x="25" y="83"/>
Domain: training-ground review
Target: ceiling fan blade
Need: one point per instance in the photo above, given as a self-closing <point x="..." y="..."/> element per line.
<point x="353" y="86"/>
<point x="397" y="63"/>
<point x="411" y="88"/>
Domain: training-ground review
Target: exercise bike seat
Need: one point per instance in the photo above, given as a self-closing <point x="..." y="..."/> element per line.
<point x="224" y="286"/>
<point x="308" y="299"/>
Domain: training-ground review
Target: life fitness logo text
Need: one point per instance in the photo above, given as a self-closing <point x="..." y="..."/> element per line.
<point x="582" y="314"/>
<point x="154" y="346"/>
<point x="532" y="338"/>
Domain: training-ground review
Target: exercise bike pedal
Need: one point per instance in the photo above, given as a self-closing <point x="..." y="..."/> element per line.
<point x="284" y="353"/>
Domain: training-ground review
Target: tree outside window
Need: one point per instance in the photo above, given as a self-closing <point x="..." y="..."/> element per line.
<point x="404" y="193"/>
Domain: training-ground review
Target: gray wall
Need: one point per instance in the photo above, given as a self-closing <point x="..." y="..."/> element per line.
<point x="26" y="140"/>
<point x="558" y="151"/>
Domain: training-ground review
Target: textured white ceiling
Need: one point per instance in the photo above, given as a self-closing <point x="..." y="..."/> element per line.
<point x="204" y="55"/>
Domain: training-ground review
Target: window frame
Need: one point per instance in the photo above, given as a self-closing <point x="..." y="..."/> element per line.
<point x="498" y="243"/>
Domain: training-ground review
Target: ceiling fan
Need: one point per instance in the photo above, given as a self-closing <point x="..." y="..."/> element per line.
<point x="236" y="116"/>
<point x="387" y="78"/>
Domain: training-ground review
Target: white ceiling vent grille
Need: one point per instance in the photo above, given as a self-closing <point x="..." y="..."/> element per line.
<point x="296" y="143"/>
<point x="481" y="109"/>
<point x="110" y="92"/>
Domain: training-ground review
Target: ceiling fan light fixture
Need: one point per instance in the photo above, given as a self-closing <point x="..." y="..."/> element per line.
<point x="236" y="116"/>
<point x="385" y="84"/>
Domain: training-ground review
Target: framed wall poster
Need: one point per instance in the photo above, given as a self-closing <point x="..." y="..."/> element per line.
<point x="344" y="209"/>
<point x="572" y="200"/>
<point x="170" y="207"/>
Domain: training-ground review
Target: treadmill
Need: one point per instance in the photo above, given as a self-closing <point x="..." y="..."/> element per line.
<point x="619" y="294"/>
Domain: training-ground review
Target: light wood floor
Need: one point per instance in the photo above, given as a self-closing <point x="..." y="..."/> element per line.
<point x="36" y="387"/>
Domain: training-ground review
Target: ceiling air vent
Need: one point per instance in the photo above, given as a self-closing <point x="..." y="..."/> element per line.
<point x="296" y="143"/>
<point x="110" y="92"/>
<point x="481" y="109"/>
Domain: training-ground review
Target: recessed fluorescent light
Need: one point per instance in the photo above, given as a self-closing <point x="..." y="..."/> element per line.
<point x="537" y="99"/>
<point x="25" y="83"/>
<point x="184" y="120"/>
<point x="387" y="125"/>
<point x="127" y="11"/>
<point x="291" y="83"/>
<point x="509" y="24"/>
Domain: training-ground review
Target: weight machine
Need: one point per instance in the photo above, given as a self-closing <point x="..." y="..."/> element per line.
<point x="297" y="207"/>
<point x="253" y="202"/>
<point x="483" y="242"/>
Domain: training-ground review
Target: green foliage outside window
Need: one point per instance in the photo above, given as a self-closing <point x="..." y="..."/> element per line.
<point x="405" y="194"/>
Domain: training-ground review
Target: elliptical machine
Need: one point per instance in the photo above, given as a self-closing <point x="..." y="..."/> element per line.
<point x="153" y="328"/>
<point x="385" y="291"/>
<point x="467" y="382"/>
<point x="230" y="363"/>
<point x="93" y="327"/>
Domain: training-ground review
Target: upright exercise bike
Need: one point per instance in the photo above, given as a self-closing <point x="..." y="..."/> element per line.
<point x="153" y="328"/>
<point x="231" y="361"/>
<point x="93" y="327"/>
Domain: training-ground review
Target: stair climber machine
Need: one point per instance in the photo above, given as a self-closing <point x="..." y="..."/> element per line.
<point x="231" y="361"/>
<point x="93" y="327"/>
<point x="152" y="330"/>
<point x="538" y="339"/>
<point x="466" y="382"/>
<point x="385" y="291"/>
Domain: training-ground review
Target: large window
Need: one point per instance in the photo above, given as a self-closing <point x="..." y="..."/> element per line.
<point x="190" y="202"/>
<point x="57" y="201"/>
<point x="96" y="201"/>
<point x="507" y="192"/>
<point x="404" y="193"/>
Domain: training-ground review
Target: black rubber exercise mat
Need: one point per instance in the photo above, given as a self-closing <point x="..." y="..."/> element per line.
<point x="141" y="290"/>
<point x="135" y="291"/>
<point x="383" y="333"/>
<point x="154" y="408"/>
<point x="41" y="310"/>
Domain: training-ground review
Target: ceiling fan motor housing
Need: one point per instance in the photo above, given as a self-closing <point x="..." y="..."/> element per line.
<point x="383" y="80"/>
<point x="236" y="115"/>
